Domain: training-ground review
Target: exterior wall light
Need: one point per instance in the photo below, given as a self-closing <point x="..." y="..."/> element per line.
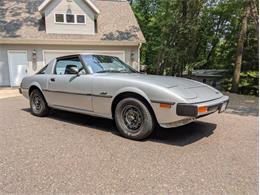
<point x="34" y="60"/>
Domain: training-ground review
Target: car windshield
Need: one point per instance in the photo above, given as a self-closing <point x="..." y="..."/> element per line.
<point x="101" y="64"/>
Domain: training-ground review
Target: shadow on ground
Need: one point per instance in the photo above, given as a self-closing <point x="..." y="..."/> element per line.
<point x="179" y="136"/>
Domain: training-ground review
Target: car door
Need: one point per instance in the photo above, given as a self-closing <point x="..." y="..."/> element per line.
<point x="67" y="89"/>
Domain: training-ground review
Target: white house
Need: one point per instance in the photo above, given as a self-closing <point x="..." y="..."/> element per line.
<point x="35" y="31"/>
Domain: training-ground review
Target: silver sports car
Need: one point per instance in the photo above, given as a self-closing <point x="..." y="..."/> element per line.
<point x="105" y="86"/>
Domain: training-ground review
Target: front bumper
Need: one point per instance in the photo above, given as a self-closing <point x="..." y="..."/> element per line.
<point x="193" y="110"/>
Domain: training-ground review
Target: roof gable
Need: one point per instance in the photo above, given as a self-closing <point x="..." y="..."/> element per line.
<point x="21" y="22"/>
<point x="88" y="2"/>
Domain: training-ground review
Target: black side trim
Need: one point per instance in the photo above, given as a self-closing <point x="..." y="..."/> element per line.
<point x="105" y="96"/>
<point x="162" y="102"/>
<point x="187" y="110"/>
<point x="86" y="94"/>
<point x="67" y="107"/>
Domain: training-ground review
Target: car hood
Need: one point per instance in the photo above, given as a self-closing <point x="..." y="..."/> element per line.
<point x="164" y="81"/>
<point x="191" y="90"/>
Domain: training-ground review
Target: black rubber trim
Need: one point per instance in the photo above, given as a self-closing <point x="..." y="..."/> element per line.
<point x="192" y="110"/>
<point x="162" y="102"/>
<point x="67" y="107"/>
<point x="104" y="96"/>
<point x="187" y="110"/>
<point x="95" y="95"/>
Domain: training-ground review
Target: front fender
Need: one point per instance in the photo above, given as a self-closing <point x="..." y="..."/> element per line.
<point x="132" y="90"/>
<point x="36" y="84"/>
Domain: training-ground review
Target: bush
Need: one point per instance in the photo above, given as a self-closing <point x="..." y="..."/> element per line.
<point x="248" y="84"/>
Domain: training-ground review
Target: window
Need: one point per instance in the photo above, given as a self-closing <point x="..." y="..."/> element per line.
<point x="81" y="19"/>
<point x="70" y="18"/>
<point x="43" y="70"/>
<point x="63" y="65"/>
<point x="101" y="64"/>
<point x="59" y="18"/>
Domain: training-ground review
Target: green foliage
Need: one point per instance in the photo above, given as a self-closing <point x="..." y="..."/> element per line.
<point x="191" y="34"/>
<point x="248" y="83"/>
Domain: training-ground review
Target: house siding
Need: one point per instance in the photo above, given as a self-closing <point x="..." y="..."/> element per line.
<point x="131" y="56"/>
<point x="76" y="7"/>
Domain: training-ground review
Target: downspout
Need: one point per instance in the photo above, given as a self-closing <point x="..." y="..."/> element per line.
<point x="138" y="55"/>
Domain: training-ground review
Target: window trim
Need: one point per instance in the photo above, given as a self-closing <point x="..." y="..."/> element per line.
<point x="75" y="19"/>
<point x="43" y="69"/>
<point x="66" y="58"/>
<point x="55" y="18"/>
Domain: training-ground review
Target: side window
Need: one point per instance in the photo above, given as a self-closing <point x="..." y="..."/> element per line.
<point x="63" y="66"/>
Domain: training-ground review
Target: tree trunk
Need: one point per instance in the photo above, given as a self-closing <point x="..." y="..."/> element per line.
<point x="254" y="15"/>
<point x="158" y="63"/>
<point x="240" y="48"/>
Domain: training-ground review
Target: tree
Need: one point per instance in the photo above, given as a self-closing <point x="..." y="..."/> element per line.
<point x="254" y="15"/>
<point x="185" y="35"/>
<point x="240" y="48"/>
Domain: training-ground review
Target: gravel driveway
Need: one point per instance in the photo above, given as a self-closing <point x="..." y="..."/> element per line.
<point x="73" y="153"/>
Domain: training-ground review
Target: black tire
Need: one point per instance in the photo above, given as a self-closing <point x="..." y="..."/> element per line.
<point x="133" y="119"/>
<point x="39" y="107"/>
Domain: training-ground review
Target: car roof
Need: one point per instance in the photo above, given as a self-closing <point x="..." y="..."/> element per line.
<point x="78" y="54"/>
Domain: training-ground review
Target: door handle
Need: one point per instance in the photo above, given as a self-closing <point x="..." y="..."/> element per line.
<point x="52" y="79"/>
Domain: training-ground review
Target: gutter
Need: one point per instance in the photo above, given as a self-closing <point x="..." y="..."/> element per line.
<point x="69" y="42"/>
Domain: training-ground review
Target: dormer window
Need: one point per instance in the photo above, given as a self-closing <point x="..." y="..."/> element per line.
<point x="70" y="18"/>
<point x="81" y="19"/>
<point x="59" y="18"/>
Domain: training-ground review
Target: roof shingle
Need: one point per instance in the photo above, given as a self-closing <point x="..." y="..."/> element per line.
<point x="20" y="19"/>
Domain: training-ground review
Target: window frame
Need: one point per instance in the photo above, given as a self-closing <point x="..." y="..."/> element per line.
<point x="76" y="16"/>
<point x="56" y="20"/>
<point x="65" y="18"/>
<point x="66" y="58"/>
<point x="43" y="70"/>
<point x="73" y="18"/>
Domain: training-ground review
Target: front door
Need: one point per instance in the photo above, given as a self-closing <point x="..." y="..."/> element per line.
<point x="67" y="89"/>
<point x="18" y="63"/>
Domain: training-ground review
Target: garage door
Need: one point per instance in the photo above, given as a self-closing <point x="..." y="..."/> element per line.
<point x="17" y="66"/>
<point x="50" y="55"/>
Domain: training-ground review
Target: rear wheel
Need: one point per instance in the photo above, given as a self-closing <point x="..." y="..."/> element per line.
<point x="38" y="104"/>
<point x="133" y="119"/>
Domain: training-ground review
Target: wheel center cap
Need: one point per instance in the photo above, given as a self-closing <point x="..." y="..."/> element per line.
<point x="131" y="117"/>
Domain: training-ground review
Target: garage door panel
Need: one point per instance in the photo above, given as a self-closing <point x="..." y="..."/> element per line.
<point x="18" y="63"/>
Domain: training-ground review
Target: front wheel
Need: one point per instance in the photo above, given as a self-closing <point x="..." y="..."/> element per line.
<point x="133" y="119"/>
<point x="38" y="104"/>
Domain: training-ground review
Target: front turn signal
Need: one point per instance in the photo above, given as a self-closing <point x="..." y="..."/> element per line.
<point x="165" y="105"/>
<point x="202" y="109"/>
